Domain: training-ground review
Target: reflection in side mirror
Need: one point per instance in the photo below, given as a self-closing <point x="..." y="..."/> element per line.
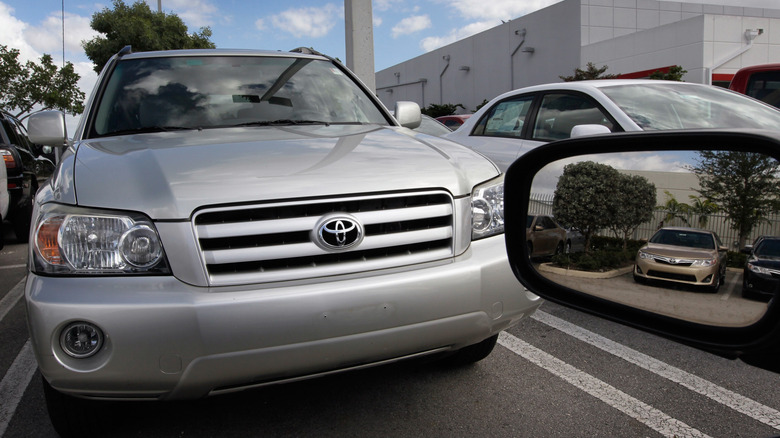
<point x="662" y="219"/>
<point x="655" y="224"/>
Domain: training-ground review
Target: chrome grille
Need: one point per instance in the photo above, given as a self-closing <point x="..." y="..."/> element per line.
<point x="274" y="242"/>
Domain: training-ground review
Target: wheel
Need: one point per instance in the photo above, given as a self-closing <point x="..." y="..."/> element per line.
<point x="559" y="249"/>
<point x="472" y="353"/>
<point x="21" y="223"/>
<point x="530" y="247"/>
<point x="714" y="288"/>
<point x="71" y="416"/>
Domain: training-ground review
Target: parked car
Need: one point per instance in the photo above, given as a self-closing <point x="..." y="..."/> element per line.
<point x="544" y="236"/>
<point x="227" y="219"/>
<point x="761" y="276"/>
<point x="431" y="126"/>
<point x="27" y="168"/>
<point x="4" y="200"/>
<point x="453" y="121"/>
<point x="680" y="255"/>
<point x="517" y="121"/>
<point x="760" y="82"/>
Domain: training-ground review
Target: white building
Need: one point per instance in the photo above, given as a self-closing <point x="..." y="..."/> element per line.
<point x="632" y="37"/>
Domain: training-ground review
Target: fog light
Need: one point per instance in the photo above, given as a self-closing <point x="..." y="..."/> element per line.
<point x="81" y="339"/>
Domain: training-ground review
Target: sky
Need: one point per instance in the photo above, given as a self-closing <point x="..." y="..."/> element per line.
<point x="403" y="29"/>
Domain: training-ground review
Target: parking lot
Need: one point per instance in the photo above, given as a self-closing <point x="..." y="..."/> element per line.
<point x="560" y="373"/>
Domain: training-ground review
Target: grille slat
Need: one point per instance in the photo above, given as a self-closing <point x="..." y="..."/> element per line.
<point x="255" y="244"/>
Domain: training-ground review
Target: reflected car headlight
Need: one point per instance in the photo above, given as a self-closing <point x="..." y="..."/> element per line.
<point x="705" y="262"/>
<point x="644" y="255"/>
<point x="77" y="241"/>
<point x="758" y="269"/>
<point x="487" y="209"/>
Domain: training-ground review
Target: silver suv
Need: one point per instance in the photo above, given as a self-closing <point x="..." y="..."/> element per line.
<point x="222" y="220"/>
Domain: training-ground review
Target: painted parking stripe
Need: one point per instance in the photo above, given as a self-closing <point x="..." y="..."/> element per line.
<point x="737" y="402"/>
<point x="636" y="409"/>
<point x="14" y="383"/>
<point x="11" y="298"/>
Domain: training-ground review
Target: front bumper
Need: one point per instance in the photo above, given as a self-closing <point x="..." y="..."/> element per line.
<point x="168" y="340"/>
<point x="761" y="286"/>
<point x="692" y="275"/>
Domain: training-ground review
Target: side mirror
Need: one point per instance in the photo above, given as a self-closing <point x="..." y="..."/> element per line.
<point x="669" y="278"/>
<point x="408" y="114"/>
<point x="47" y="128"/>
<point x="584" y="130"/>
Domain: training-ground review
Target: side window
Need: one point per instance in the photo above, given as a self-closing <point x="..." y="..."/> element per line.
<point x="559" y="113"/>
<point x="506" y="118"/>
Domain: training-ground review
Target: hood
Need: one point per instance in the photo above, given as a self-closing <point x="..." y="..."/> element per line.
<point x="169" y="175"/>
<point x="679" y="252"/>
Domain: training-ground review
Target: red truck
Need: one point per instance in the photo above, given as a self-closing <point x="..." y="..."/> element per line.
<point x="761" y="82"/>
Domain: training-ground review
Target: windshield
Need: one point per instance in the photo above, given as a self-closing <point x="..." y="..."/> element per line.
<point x="768" y="248"/>
<point x="157" y="94"/>
<point x="684" y="238"/>
<point x="680" y="106"/>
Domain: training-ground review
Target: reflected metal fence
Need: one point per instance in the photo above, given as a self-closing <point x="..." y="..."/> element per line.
<point x="719" y="223"/>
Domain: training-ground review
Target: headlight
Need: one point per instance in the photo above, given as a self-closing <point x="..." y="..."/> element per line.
<point x="705" y="262"/>
<point x="644" y="255"/>
<point x="487" y="209"/>
<point x="758" y="269"/>
<point x="70" y="240"/>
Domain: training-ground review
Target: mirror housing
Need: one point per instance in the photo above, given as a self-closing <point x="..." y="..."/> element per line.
<point x="47" y="128"/>
<point x="757" y="343"/>
<point x="584" y="130"/>
<point x="408" y="114"/>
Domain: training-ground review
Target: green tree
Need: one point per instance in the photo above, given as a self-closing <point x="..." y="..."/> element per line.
<point x="743" y="184"/>
<point x="632" y="205"/>
<point x="675" y="209"/>
<point x="35" y="86"/>
<point x="675" y="74"/>
<point x="704" y="208"/>
<point x="590" y="72"/>
<point x="583" y="197"/>
<point x="138" y="26"/>
<point x="435" y="110"/>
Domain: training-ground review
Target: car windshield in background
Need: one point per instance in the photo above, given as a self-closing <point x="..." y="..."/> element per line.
<point x="671" y="106"/>
<point x="160" y="94"/>
<point x="768" y="248"/>
<point x="683" y="238"/>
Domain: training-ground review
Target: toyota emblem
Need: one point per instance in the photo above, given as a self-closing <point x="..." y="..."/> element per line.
<point x="338" y="232"/>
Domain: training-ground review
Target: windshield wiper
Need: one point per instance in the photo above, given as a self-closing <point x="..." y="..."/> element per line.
<point x="147" y="129"/>
<point x="282" y="122"/>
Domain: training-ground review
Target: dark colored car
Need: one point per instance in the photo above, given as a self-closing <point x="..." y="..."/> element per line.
<point x="27" y="169"/>
<point x="761" y="278"/>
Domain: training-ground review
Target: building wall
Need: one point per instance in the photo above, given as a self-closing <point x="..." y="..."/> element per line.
<point x="490" y="63"/>
<point x="626" y="35"/>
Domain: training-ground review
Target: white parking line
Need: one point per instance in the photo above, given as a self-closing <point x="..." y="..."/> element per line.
<point x="14" y="383"/>
<point x="636" y="409"/>
<point x="730" y="289"/>
<point x="728" y="398"/>
<point x="11" y="298"/>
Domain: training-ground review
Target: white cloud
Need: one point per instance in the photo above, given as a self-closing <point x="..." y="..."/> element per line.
<point x="12" y="34"/>
<point x="432" y="43"/>
<point x="377" y="21"/>
<point x="308" y="22"/>
<point x="411" y="25"/>
<point x="260" y="24"/>
<point x="497" y="9"/>
<point x="196" y="13"/>
<point x="47" y="37"/>
<point x="385" y="5"/>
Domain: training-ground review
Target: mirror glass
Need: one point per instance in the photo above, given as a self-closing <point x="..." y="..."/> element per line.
<point x="690" y="234"/>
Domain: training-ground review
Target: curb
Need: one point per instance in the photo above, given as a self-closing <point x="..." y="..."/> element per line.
<point x="548" y="267"/>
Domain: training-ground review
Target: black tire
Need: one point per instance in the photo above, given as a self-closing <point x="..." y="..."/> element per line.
<point x="714" y="288"/>
<point x="71" y="416"/>
<point x="530" y="247"/>
<point x="472" y="353"/>
<point x="21" y="223"/>
<point x="559" y="249"/>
